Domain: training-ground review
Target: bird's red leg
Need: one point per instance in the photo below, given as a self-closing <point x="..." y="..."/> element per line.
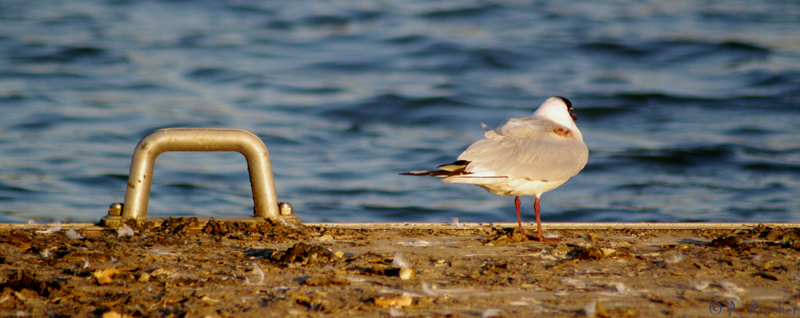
<point x="540" y="234"/>
<point x="519" y="217"/>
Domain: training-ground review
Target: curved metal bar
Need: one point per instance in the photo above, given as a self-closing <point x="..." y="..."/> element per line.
<point x="265" y="199"/>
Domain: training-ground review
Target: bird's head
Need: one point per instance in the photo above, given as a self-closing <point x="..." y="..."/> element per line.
<point x="557" y="109"/>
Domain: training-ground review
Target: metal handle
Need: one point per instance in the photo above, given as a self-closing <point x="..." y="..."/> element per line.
<point x="265" y="199"/>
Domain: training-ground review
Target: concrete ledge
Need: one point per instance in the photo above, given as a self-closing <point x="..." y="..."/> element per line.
<point x="264" y="269"/>
<point x="461" y="225"/>
<point x="561" y="226"/>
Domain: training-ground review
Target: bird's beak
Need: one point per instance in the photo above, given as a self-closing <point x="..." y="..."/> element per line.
<point x="573" y="116"/>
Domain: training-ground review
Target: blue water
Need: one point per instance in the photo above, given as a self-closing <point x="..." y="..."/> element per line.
<point x="690" y="109"/>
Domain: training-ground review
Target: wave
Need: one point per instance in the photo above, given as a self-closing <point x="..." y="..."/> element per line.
<point x="64" y="54"/>
<point x="398" y="109"/>
<point x="677" y="51"/>
<point x="768" y="167"/>
<point x="458" y="10"/>
<point x="682" y="157"/>
<point x="443" y="56"/>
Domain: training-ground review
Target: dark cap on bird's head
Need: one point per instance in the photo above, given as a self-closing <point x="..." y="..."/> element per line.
<point x="569" y="107"/>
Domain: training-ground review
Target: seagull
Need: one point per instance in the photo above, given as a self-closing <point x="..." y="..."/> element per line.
<point x="522" y="156"/>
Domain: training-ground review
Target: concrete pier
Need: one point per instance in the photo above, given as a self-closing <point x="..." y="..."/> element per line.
<point x="221" y="268"/>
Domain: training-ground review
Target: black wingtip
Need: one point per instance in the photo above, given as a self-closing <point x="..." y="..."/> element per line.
<point x="434" y="173"/>
<point x="447" y="170"/>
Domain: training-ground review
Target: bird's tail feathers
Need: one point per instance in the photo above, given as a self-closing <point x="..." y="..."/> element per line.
<point x="446" y="170"/>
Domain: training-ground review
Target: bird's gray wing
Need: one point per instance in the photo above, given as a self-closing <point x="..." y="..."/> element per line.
<point x="527" y="148"/>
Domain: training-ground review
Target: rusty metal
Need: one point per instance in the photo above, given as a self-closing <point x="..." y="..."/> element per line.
<point x="265" y="198"/>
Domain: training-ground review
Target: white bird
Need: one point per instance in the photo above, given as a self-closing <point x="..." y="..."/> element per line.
<point x="522" y="156"/>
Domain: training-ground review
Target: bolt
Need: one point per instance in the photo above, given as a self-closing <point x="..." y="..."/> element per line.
<point x="286" y="208"/>
<point x="115" y="209"/>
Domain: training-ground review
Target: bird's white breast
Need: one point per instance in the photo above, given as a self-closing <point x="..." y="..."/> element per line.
<point x="506" y="186"/>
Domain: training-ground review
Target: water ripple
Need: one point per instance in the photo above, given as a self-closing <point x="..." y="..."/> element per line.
<point x="690" y="110"/>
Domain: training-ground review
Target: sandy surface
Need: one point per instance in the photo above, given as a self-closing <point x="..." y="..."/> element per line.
<point x="183" y="268"/>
